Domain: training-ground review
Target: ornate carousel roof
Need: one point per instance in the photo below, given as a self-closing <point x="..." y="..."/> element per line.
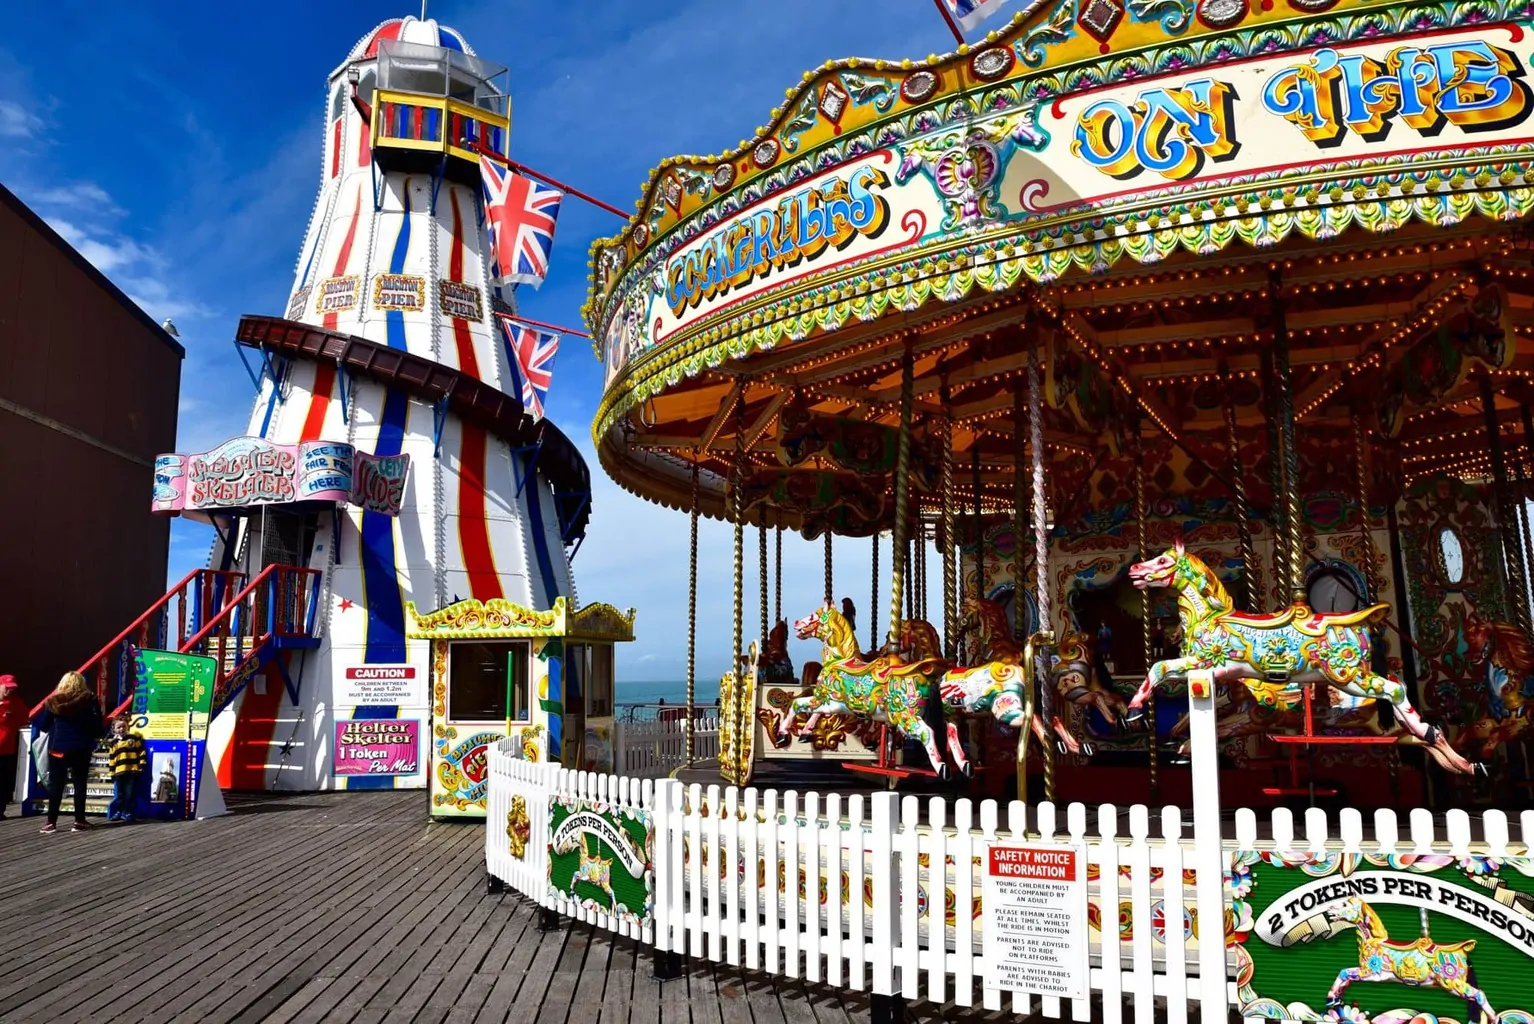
<point x="1154" y="196"/>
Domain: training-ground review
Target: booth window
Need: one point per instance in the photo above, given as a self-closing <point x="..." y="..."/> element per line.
<point x="487" y="682"/>
<point x="589" y="678"/>
<point x="601" y="680"/>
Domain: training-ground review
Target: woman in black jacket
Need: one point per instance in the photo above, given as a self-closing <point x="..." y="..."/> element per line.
<point x="72" y="719"/>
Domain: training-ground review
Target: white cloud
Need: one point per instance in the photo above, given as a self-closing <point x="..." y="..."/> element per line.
<point x="16" y="122"/>
<point x="136" y="268"/>
<point x="81" y="195"/>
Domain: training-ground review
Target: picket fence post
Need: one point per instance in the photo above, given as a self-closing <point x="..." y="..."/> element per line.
<point x="888" y="1008"/>
<point x="1209" y="860"/>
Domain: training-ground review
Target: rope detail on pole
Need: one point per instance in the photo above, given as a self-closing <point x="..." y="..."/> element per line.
<point x="1276" y="520"/>
<point x="1251" y="571"/>
<point x="692" y="623"/>
<point x="902" y="493"/>
<point x="777" y="577"/>
<point x="1366" y="534"/>
<point x="974" y="461"/>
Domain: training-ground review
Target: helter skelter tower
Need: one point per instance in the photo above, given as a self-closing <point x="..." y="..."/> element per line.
<point x="390" y="344"/>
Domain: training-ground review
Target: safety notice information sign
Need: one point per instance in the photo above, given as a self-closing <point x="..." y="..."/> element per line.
<point x="1035" y="899"/>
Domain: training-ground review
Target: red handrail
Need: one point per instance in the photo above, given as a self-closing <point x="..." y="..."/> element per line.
<point x="140" y="623"/>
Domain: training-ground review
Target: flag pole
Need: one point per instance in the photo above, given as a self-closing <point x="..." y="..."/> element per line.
<point x="483" y="150"/>
<point x="953" y="26"/>
<point x="539" y="323"/>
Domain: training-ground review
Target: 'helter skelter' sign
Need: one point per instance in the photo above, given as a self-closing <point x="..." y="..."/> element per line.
<point x="250" y="471"/>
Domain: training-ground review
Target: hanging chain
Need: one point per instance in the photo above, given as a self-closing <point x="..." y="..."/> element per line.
<point x="902" y="494"/>
<point x="1041" y="554"/>
<point x="692" y="622"/>
<point x="738" y="518"/>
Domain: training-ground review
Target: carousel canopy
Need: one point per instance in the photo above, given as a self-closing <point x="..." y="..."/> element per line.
<point x="1165" y="203"/>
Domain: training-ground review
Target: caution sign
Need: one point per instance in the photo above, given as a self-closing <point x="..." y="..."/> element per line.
<point x="1035" y="899"/>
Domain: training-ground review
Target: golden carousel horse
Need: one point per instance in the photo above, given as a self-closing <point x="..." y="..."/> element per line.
<point x="1506" y="652"/>
<point x="1276" y="655"/>
<point x="887" y="689"/>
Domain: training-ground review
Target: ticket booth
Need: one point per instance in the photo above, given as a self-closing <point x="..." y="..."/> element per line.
<point x="499" y="670"/>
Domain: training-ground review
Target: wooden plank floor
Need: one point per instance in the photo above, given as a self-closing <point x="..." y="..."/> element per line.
<point x="347" y="908"/>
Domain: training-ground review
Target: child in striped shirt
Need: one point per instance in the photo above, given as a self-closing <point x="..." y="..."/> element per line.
<point x="129" y="761"/>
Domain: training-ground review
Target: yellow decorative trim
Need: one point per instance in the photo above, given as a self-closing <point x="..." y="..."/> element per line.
<point x="485" y="620"/>
<point x="602" y="622"/>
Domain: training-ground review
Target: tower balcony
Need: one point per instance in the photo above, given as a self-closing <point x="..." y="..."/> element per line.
<point x="437" y="110"/>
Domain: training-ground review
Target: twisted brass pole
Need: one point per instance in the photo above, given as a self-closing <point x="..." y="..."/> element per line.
<point x="777" y="576"/>
<point x="738" y="517"/>
<point x="1019" y="507"/>
<point x="1294" y="544"/>
<point x="1366" y="534"/>
<point x="945" y="533"/>
<point x="902" y="493"/>
<point x="692" y="623"/>
<point x="873" y="599"/>
<point x="1142" y="539"/>
<point x="1506" y="516"/>
<point x="761" y="561"/>
<point x="1278" y="524"/>
<point x="979" y="521"/>
<point x="1251" y="572"/>
<point x="1041" y="559"/>
<point x="829" y="588"/>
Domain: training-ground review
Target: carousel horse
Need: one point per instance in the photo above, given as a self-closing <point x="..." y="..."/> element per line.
<point x="994" y="688"/>
<point x="1509" y="659"/>
<point x="1421" y="963"/>
<point x="775" y="667"/>
<point x="1073" y="676"/>
<point x="887" y="689"/>
<point x="1276" y="655"/>
<point x="1244" y="715"/>
<point x="985" y="622"/>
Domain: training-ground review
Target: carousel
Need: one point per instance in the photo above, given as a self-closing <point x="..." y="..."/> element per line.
<point x="1178" y="335"/>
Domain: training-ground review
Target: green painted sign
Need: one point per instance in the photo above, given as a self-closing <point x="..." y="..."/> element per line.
<point x="1426" y="939"/>
<point x="602" y="858"/>
<point x="174" y="695"/>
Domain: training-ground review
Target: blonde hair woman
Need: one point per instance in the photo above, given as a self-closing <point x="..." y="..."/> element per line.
<point x="71" y="717"/>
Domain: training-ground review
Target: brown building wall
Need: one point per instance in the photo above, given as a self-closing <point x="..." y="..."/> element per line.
<point x="89" y="386"/>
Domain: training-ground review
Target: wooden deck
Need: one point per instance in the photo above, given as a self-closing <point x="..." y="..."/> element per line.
<point x="347" y="907"/>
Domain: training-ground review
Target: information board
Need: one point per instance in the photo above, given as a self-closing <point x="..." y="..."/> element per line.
<point x="388" y="685"/>
<point x="1035" y="899"/>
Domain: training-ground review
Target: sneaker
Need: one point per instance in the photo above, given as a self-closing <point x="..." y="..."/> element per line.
<point x="80" y="826"/>
<point x="49" y="829"/>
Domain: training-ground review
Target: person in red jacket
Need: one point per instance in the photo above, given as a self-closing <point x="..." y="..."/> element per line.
<point x="13" y="724"/>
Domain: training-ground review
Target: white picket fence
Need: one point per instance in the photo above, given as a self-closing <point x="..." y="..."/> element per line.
<point x="654" y="749"/>
<point x="851" y="926"/>
<point x="882" y="893"/>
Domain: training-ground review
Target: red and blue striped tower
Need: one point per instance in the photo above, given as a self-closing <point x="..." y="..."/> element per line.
<point x="397" y="254"/>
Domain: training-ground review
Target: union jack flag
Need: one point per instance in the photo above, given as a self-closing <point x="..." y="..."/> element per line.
<point x="531" y="355"/>
<point x="521" y="215"/>
<point x="969" y="13"/>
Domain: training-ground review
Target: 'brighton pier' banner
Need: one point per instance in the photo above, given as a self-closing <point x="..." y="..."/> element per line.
<point x="249" y="471"/>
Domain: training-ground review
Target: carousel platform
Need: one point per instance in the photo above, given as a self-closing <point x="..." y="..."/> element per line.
<point x="345" y="908"/>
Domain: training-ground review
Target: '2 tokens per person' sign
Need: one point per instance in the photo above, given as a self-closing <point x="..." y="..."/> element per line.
<point x="1035" y="899"/>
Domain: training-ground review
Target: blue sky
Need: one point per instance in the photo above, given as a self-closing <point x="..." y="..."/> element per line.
<point x="178" y="147"/>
